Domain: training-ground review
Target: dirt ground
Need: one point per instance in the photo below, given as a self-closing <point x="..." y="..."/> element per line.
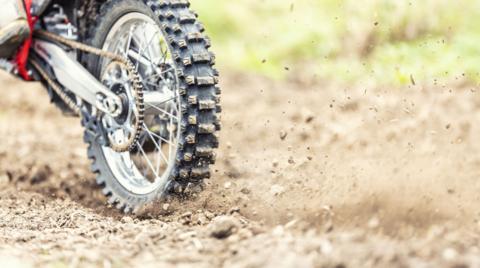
<point x="308" y="175"/>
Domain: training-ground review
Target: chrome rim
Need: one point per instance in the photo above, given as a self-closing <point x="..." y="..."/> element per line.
<point x="147" y="167"/>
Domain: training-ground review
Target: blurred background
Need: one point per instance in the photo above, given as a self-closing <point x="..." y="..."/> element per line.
<point x="390" y="42"/>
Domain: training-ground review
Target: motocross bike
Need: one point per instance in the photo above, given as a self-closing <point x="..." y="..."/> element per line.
<point x="140" y="76"/>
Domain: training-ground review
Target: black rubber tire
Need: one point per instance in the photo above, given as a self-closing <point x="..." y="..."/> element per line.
<point x="199" y="98"/>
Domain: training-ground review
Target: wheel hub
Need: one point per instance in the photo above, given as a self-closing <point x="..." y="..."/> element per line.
<point x="119" y="128"/>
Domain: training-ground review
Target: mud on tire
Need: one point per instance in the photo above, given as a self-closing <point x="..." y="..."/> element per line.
<point x="199" y="98"/>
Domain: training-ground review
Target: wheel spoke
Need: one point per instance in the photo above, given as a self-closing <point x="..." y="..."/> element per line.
<point x="162" y="110"/>
<point x="148" y="160"/>
<point x="149" y="50"/>
<point x="147" y="44"/>
<point x="160" y="74"/>
<point x="155" y="142"/>
<point x="129" y="41"/>
<point x="164" y="54"/>
<point x="161" y="138"/>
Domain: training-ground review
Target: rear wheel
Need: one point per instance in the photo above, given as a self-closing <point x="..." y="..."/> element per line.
<point x="176" y="144"/>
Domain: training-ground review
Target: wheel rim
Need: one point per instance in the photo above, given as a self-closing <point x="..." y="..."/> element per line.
<point x="146" y="168"/>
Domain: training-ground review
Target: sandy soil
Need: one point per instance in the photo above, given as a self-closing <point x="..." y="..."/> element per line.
<point x="309" y="175"/>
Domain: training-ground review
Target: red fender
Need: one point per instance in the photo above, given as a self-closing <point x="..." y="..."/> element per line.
<point x="23" y="52"/>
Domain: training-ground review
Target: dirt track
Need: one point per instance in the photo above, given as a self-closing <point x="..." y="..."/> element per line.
<point x="309" y="175"/>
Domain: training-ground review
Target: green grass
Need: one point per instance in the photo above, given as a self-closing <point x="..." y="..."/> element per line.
<point x="347" y="40"/>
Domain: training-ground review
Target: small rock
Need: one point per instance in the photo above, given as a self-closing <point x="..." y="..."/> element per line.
<point x="283" y="134"/>
<point x="187" y="214"/>
<point x="373" y="223"/>
<point x="275" y="163"/>
<point x="278" y="231"/>
<point x="434" y="232"/>
<point x="449" y="254"/>
<point x="234" y="238"/>
<point x="234" y="210"/>
<point x="308" y="116"/>
<point x="290" y="224"/>
<point x="256" y="229"/>
<point x="277" y="189"/>
<point x="187" y="235"/>
<point x="202" y="219"/>
<point x="209" y="215"/>
<point x="40" y="174"/>
<point x="166" y="206"/>
<point x="244" y="233"/>
<point x="127" y="219"/>
<point x="223" y="226"/>
<point x="245" y="191"/>
<point x="326" y="247"/>
<point x="227" y="185"/>
<point x="291" y="161"/>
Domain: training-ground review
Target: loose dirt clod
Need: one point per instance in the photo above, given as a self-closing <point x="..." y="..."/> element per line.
<point x="223" y="226"/>
<point x="275" y="163"/>
<point x="308" y="116"/>
<point x="245" y="191"/>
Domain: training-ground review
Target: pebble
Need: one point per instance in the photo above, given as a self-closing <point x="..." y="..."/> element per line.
<point x="277" y="189"/>
<point x="244" y="233"/>
<point x="278" y="231"/>
<point x="291" y="224"/>
<point x="202" y="219"/>
<point x="234" y="210"/>
<point x="283" y="134"/>
<point x="373" y="223"/>
<point x="449" y="254"/>
<point x="245" y="191"/>
<point x="209" y="215"/>
<point x="275" y="163"/>
<point x="326" y="247"/>
<point x="186" y="235"/>
<point x="223" y="226"/>
<point x="127" y="219"/>
<point x="308" y="116"/>
<point x="187" y="214"/>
